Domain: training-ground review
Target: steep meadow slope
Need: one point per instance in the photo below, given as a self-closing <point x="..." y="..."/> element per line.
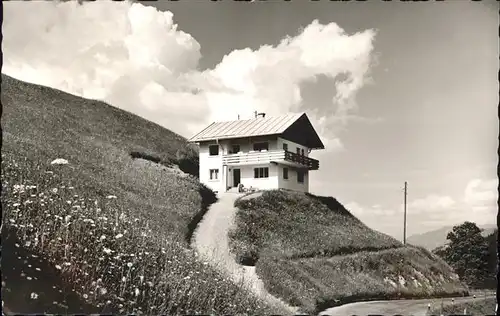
<point x="114" y="227"/>
<point x="313" y="253"/>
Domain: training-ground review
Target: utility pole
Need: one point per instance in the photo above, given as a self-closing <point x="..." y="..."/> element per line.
<point x="404" y="226"/>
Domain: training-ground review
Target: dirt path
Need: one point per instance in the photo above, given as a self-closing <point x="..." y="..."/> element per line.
<point x="211" y="242"/>
<point x="399" y="307"/>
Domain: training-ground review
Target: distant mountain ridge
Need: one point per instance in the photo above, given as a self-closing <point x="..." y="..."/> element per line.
<point x="436" y="238"/>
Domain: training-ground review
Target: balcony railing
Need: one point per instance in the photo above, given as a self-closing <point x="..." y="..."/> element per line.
<point x="261" y="157"/>
<point x="309" y="163"/>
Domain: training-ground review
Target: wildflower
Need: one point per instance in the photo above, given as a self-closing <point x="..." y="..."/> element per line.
<point x="58" y="267"/>
<point x="34" y="296"/>
<point x="85" y="296"/>
<point x="67" y="218"/>
<point x="29" y="278"/>
<point x="59" y="161"/>
<point x="129" y="264"/>
<point x="107" y="250"/>
<point x="137" y="292"/>
<point x="54" y="190"/>
<point x="67" y="264"/>
<point x="118" y="236"/>
<point x="12" y="221"/>
<point x="103" y="291"/>
<point x="111" y="197"/>
<point x="124" y="279"/>
<point x="16" y="204"/>
<point x="102" y="238"/>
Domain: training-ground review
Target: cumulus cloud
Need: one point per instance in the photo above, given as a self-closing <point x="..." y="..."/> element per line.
<point x="138" y="59"/>
<point x="432" y="203"/>
<point x="481" y="195"/>
<point x="368" y="211"/>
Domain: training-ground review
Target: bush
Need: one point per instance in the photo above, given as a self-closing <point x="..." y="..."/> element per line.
<point x="187" y="158"/>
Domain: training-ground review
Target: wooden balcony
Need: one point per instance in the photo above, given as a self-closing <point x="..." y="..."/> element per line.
<point x="263" y="157"/>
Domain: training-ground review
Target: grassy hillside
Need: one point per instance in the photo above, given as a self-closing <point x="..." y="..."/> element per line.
<point x="115" y="228"/>
<point x="313" y="253"/>
<point x="296" y="225"/>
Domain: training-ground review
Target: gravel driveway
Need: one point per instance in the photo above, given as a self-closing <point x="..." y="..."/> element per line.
<point x="211" y="242"/>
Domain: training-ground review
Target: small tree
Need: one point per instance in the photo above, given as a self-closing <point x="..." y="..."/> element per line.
<point x="491" y="241"/>
<point x="467" y="253"/>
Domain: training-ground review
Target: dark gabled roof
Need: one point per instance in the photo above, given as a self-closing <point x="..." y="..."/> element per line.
<point x="294" y="127"/>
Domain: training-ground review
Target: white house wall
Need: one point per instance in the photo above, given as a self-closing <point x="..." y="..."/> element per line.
<point x="208" y="162"/>
<point x="291" y="146"/>
<point x="248" y="180"/>
<point x="275" y="179"/>
<point x="291" y="183"/>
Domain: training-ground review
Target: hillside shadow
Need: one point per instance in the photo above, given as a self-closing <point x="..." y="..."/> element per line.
<point x="31" y="285"/>
<point x="332" y="204"/>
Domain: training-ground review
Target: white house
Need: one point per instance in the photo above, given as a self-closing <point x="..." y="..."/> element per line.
<point x="263" y="153"/>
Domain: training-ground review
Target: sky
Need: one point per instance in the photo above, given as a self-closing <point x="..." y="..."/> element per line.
<point x="397" y="91"/>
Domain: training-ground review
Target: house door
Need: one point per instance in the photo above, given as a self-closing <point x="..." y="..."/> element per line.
<point x="236" y="177"/>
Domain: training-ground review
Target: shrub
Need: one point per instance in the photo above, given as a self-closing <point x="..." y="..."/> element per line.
<point x="187" y="158"/>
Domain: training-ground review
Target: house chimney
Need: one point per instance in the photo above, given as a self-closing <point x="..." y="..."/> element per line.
<point x="238" y="117"/>
<point x="255" y="114"/>
<point x="261" y="115"/>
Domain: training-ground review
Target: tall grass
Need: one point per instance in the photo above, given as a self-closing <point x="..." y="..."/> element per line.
<point x="113" y="259"/>
<point x="298" y="225"/>
<point x="311" y="252"/>
<point x="319" y="283"/>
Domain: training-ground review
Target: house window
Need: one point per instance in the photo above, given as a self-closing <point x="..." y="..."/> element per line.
<point x="261" y="146"/>
<point x="298" y="151"/>
<point x="261" y="173"/>
<point x="285" y="173"/>
<point x="285" y="147"/>
<point x="213" y="150"/>
<point x="214" y="174"/>
<point x="302" y="152"/>
<point x="235" y="149"/>
<point x="300" y="176"/>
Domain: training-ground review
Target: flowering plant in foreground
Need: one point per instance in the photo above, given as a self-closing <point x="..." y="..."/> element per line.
<point x="112" y="259"/>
